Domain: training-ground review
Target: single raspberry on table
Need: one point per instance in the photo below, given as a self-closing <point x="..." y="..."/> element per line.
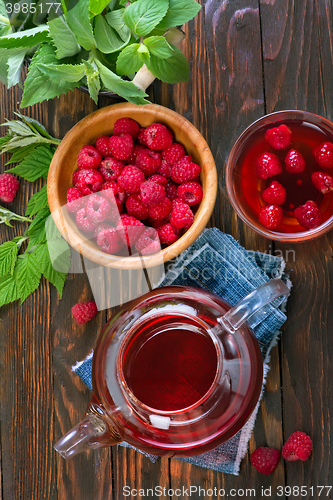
<point x="8" y="187"/>
<point x="158" y="179"/>
<point x="131" y="179"/>
<point x="100" y="227"/>
<point x="275" y="194"/>
<point x="181" y="215"/>
<point x="98" y="208"/>
<point x="82" y="221"/>
<point x="168" y="234"/>
<point x="295" y="162"/>
<point x="136" y="208"/>
<point x="266" y="165"/>
<point x="171" y="190"/>
<point x="87" y="180"/>
<point x="84" y="311"/>
<point x="110" y="168"/>
<point x="75" y="199"/>
<point x="165" y="169"/>
<point x="265" y="459"/>
<point x="173" y="153"/>
<point x="148" y="242"/>
<point x="323" y="154"/>
<point x="323" y="182"/>
<point x="109" y="241"/>
<point x="184" y="170"/>
<point x="157" y="137"/>
<point x="121" y="146"/>
<point x="88" y="157"/>
<point x="126" y="126"/>
<point x="308" y="215"/>
<point x="161" y="210"/>
<point x="102" y="145"/>
<point x="148" y="161"/>
<point x="151" y="193"/>
<point x="190" y="192"/>
<point x="271" y="216"/>
<point x="136" y="149"/>
<point x="278" y="137"/>
<point x="297" y="447"/>
<point x="129" y="229"/>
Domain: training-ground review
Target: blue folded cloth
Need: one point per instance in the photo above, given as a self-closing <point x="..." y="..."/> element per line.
<point x="216" y="262"/>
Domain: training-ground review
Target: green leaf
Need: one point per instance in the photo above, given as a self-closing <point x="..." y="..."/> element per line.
<point x="69" y="72"/>
<point x="93" y="81"/>
<point x="116" y="20"/>
<point x="4" y="140"/>
<point x="35" y="165"/>
<point x="6" y="216"/>
<point x="107" y="39"/>
<point x="97" y="6"/>
<point x="57" y="278"/>
<point x="142" y="16"/>
<point x="38" y="86"/>
<point x="25" y="38"/>
<point x="35" y="126"/>
<point x="15" y="58"/>
<point x="129" y="60"/>
<point x="8" y="256"/>
<point x="59" y="250"/>
<point x="27" y="274"/>
<point x="16" y="127"/>
<point x="180" y="12"/>
<point x="79" y="22"/>
<point x="37" y="202"/>
<point x="159" y="47"/>
<point x="20" y="153"/>
<point x="175" y="69"/>
<point x="8" y="290"/>
<point x="63" y="37"/>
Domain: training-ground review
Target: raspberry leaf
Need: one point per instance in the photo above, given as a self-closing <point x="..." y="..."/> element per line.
<point x="142" y="16"/>
<point x="7" y="215"/>
<point x="180" y="12"/>
<point x="37" y="202"/>
<point x="27" y="274"/>
<point x="175" y="69"/>
<point x="8" y="290"/>
<point x="79" y="22"/>
<point x="35" y="165"/>
<point x="159" y="47"/>
<point x="25" y="38"/>
<point x="8" y="256"/>
<point x="57" y="278"/>
<point x="63" y="37"/>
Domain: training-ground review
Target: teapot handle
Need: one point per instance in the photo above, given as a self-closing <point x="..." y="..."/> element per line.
<point x="252" y="307"/>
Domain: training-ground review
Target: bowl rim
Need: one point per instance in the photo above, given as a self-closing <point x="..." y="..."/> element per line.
<point x="75" y="238"/>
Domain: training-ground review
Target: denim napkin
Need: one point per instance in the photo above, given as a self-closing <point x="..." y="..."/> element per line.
<point x="216" y="262"/>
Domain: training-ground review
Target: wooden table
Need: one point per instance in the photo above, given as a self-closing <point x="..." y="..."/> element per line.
<point x="247" y="58"/>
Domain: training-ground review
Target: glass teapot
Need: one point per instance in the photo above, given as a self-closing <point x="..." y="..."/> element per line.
<point x="175" y="372"/>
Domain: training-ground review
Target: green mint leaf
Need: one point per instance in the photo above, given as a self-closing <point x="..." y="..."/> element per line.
<point x="69" y="72"/>
<point x="6" y="216"/>
<point x="8" y="256"/>
<point x="57" y="278"/>
<point x="38" y="86"/>
<point x="97" y="6"/>
<point x="129" y="60"/>
<point x="20" y="153"/>
<point x="27" y="274"/>
<point x="107" y="39"/>
<point x="79" y="22"/>
<point x="116" y="20"/>
<point x="37" y="202"/>
<point x="14" y="61"/>
<point x="25" y="38"/>
<point x="62" y="37"/>
<point x="180" y="12"/>
<point x="93" y="80"/>
<point x="35" y="165"/>
<point x="175" y="69"/>
<point x="142" y="16"/>
<point x="159" y="47"/>
<point x="8" y="290"/>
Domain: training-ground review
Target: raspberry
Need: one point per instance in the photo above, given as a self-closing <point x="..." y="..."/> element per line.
<point x="181" y="215"/>
<point x="131" y="178"/>
<point x="323" y="154"/>
<point x="323" y="182"/>
<point x="148" y="242"/>
<point x="84" y="311"/>
<point x="271" y="216"/>
<point x="184" y="170"/>
<point x="158" y="179"/>
<point x="110" y="168"/>
<point x="141" y="139"/>
<point x="275" y="194"/>
<point x="190" y="192"/>
<point x="129" y="229"/>
<point x="126" y="126"/>
<point x="148" y="161"/>
<point x="121" y="146"/>
<point x="102" y="145"/>
<point x="100" y="227"/>
<point x="278" y="137"/>
<point x="161" y="210"/>
<point x="295" y="162"/>
<point x="308" y="215"/>
<point x="157" y="137"/>
<point x="98" y="208"/>
<point x="87" y="180"/>
<point x="8" y="187"/>
<point x="116" y="189"/>
<point x="75" y="199"/>
<point x="173" y="153"/>
<point x="165" y="169"/>
<point x="131" y="159"/>
<point x="297" y="447"/>
<point x="151" y="193"/>
<point x="168" y="234"/>
<point x="88" y="157"/>
<point x="136" y="208"/>
<point x="266" y="165"/>
<point x="82" y="221"/>
<point x="265" y="460"/>
<point x="171" y="190"/>
<point x="109" y="240"/>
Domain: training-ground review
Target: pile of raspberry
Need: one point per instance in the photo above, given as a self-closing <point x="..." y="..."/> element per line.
<point x="134" y="191"/>
<point x="268" y="165"/>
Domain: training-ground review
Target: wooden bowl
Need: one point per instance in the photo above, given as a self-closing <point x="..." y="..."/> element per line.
<point x="101" y="123"/>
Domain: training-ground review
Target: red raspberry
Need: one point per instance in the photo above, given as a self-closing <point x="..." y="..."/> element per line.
<point x="116" y="189"/>
<point x="84" y="311"/>
<point x="131" y="159"/>
<point x="148" y="161"/>
<point x="266" y="165"/>
<point x="158" y="179"/>
<point x="109" y="241"/>
<point x="165" y="169"/>
<point x="131" y="179"/>
<point x="323" y="154"/>
<point x="297" y="447"/>
<point x="102" y="145"/>
<point x="136" y="208"/>
<point x="190" y="192"/>
<point x="126" y="126"/>
<point x="87" y="180"/>
<point x="173" y="153"/>
<point x="161" y="210"/>
<point x="271" y="216"/>
<point x="308" y="215"/>
<point x="75" y="199"/>
<point x="141" y="139"/>
<point x="181" y="215"/>
<point x="129" y="229"/>
<point x="121" y="146"/>
<point x="82" y="221"/>
<point x="184" y="170"/>
<point x="323" y="182"/>
<point x="171" y="190"/>
<point x="278" y="137"/>
<point x="275" y="194"/>
<point x="265" y="460"/>
<point x="109" y="190"/>
<point x="151" y="193"/>
<point x="98" y="208"/>
<point x="157" y="137"/>
<point x="88" y="157"/>
<point x="8" y="187"/>
<point x="148" y="242"/>
<point x="295" y="162"/>
<point x="168" y="234"/>
<point x="100" y="227"/>
<point x="110" y="168"/>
